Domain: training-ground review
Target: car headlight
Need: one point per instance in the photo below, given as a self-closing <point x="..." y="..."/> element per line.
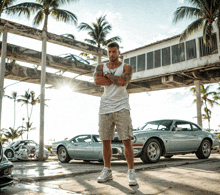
<point x="134" y="139"/>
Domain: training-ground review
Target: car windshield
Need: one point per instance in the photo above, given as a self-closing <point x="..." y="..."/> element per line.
<point x="162" y="125"/>
<point x="11" y="144"/>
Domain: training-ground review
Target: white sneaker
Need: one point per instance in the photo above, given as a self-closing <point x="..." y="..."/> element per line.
<point x="105" y="175"/>
<point x="132" y="177"/>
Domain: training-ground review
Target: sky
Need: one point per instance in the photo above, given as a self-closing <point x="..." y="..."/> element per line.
<point x="138" y="23"/>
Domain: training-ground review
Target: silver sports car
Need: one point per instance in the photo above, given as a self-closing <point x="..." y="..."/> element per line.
<point x="170" y="137"/>
<point x="85" y="147"/>
<point x="151" y="141"/>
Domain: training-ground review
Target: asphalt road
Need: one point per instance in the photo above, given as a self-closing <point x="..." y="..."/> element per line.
<point x="178" y="175"/>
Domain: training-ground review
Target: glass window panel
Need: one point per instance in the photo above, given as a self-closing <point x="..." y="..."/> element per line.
<point x="133" y="63"/>
<point x="178" y="54"/>
<point x="191" y="49"/>
<point x="141" y="63"/>
<point x="150" y="63"/>
<point x="166" y="56"/>
<point x="157" y="59"/>
<point x="206" y="50"/>
<point x="126" y="61"/>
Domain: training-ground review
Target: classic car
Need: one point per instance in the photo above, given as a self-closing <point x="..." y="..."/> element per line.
<point x="171" y="137"/>
<point x="6" y="167"/>
<point x="151" y="141"/>
<point x="85" y="147"/>
<point x="24" y="150"/>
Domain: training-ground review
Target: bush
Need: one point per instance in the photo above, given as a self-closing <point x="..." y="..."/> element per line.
<point x="219" y="136"/>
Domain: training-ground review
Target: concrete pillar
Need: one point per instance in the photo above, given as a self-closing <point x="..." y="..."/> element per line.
<point x="2" y="69"/>
<point x="198" y="102"/>
<point x="42" y="95"/>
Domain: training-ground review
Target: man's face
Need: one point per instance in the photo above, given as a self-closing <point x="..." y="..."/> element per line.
<point x="113" y="53"/>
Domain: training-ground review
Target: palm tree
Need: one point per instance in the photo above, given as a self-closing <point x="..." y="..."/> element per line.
<point x="14" y="97"/>
<point x="11" y="133"/>
<point x="29" y="99"/>
<point x="44" y="8"/>
<point x="98" y="32"/>
<point x="206" y="12"/>
<point x="207" y="97"/>
<point x="4" y="5"/>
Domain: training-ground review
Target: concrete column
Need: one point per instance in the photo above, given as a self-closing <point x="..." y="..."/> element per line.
<point x="42" y="95"/>
<point x="198" y="102"/>
<point x="2" y="69"/>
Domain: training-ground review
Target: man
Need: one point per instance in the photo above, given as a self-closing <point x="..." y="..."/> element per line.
<point x="115" y="110"/>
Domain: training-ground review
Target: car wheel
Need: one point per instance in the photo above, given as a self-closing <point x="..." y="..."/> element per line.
<point x="9" y="154"/>
<point x="63" y="155"/>
<point x="151" y="152"/>
<point x="204" y="150"/>
<point x="168" y="156"/>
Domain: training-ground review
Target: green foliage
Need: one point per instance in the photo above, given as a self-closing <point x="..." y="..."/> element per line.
<point x="208" y="98"/>
<point x="219" y="136"/>
<point x="206" y="13"/>
<point x="98" y="32"/>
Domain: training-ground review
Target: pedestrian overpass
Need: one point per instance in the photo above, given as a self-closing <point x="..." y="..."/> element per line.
<point x="161" y="65"/>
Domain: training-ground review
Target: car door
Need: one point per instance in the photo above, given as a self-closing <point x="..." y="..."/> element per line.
<point x="81" y="148"/>
<point x="183" y="138"/>
<point x="97" y="147"/>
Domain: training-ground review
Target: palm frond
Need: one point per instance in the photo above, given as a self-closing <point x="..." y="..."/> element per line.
<point x="64" y="15"/>
<point x="186" y="12"/>
<point x="194" y="26"/>
<point x="207" y="33"/>
<point x="90" y="41"/>
<point x="57" y="2"/>
<point x="23" y="8"/>
<point x="85" y="26"/>
<point x="70" y="36"/>
<point x="38" y="18"/>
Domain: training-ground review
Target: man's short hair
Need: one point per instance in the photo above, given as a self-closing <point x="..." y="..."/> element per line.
<point x="113" y="44"/>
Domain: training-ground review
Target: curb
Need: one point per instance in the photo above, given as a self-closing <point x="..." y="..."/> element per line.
<point x="42" y="178"/>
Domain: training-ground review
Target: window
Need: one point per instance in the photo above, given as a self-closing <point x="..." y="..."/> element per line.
<point x="163" y="125"/>
<point x="184" y="126"/>
<point x="195" y="128"/>
<point x="82" y="139"/>
<point x="141" y="63"/>
<point x="166" y="56"/>
<point x="126" y="61"/>
<point x="150" y="63"/>
<point x="157" y="59"/>
<point x="191" y="49"/>
<point x="178" y="54"/>
<point x="206" y="50"/>
<point x="133" y="63"/>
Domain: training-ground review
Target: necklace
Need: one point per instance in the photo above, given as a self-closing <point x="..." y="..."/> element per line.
<point x="113" y="71"/>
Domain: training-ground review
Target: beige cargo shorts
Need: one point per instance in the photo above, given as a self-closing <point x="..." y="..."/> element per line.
<point x="121" y="120"/>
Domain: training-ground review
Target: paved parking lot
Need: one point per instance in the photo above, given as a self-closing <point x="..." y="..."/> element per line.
<point x="178" y="175"/>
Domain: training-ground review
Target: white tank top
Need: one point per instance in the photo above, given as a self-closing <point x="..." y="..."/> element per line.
<point x="115" y="97"/>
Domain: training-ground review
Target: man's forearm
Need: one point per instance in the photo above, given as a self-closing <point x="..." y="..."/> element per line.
<point x="117" y="80"/>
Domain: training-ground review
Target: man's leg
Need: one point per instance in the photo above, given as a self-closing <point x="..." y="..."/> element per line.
<point x="107" y="153"/>
<point x="106" y="173"/>
<point x="129" y="153"/>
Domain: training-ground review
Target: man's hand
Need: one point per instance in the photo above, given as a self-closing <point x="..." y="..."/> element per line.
<point x="124" y="79"/>
<point x="99" y="77"/>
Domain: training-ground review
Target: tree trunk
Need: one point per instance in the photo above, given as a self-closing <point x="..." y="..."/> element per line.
<point x="2" y="69"/>
<point x="42" y="95"/>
